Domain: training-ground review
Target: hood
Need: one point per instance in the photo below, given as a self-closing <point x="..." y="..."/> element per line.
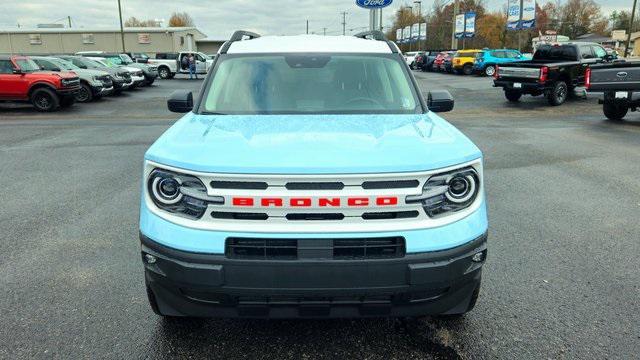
<point x="130" y="69"/>
<point x="62" y="74"/>
<point x="312" y="144"/>
<point x="87" y="73"/>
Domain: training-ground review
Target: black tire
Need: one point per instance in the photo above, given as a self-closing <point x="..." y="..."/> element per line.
<point x="151" y="81"/>
<point x="164" y="72"/>
<point x="467" y="69"/>
<point x="513" y="95"/>
<point x="613" y="111"/>
<point x="558" y="94"/>
<point x="490" y="70"/>
<point x="67" y="101"/>
<point x="84" y="94"/>
<point x="44" y="99"/>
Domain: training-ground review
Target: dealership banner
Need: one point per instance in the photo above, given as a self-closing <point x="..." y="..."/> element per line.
<point x="399" y="36"/>
<point x="459" y="26"/>
<point x="528" y="14"/>
<point x="423" y="31"/>
<point x="406" y="34"/>
<point x="415" y="31"/>
<point x="513" y="16"/>
<point x="470" y="24"/>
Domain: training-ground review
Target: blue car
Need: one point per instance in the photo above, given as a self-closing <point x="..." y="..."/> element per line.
<point x="271" y="198"/>
<point x="486" y="60"/>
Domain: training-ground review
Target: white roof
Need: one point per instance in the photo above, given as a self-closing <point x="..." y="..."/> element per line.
<point x="308" y="43"/>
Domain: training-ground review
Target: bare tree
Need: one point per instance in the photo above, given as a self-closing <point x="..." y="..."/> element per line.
<point x="180" y="19"/>
<point x="135" y="22"/>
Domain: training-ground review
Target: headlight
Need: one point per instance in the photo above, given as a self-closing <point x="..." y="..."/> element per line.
<point x="448" y="192"/>
<point x="180" y="194"/>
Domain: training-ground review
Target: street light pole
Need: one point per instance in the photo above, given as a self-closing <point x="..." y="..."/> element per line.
<point x="454" y="42"/>
<point x="121" y="26"/>
<point x="633" y="14"/>
<point x="419" y="3"/>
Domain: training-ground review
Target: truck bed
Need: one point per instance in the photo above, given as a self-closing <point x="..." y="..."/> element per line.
<point x="622" y="76"/>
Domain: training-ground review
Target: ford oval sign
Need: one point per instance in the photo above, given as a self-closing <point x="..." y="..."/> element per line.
<point x="373" y="4"/>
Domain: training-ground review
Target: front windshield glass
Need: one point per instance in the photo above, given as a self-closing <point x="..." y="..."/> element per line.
<point x="27" y="65"/>
<point x="125" y="59"/>
<point x="114" y="60"/>
<point x="311" y="84"/>
<point x="65" y="65"/>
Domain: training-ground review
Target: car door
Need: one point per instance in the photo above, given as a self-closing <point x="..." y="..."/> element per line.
<point x="201" y="64"/>
<point x="14" y="86"/>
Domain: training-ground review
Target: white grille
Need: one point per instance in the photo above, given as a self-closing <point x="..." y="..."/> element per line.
<point x="361" y="208"/>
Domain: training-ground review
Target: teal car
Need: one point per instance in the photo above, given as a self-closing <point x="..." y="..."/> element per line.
<point x="487" y="59"/>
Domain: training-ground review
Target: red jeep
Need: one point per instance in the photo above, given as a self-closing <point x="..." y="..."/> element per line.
<point x="21" y="80"/>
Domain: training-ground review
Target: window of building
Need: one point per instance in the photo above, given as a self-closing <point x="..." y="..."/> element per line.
<point x="35" y="39"/>
<point x="88" y="39"/>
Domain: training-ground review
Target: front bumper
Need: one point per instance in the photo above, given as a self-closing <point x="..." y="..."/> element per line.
<point x="196" y="284"/>
<point x="68" y="91"/>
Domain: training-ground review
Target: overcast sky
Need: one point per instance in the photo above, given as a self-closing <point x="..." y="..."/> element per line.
<point x="219" y="18"/>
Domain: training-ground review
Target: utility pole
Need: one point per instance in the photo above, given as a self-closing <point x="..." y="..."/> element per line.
<point x="121" y="27"/>
<point x="633" y="14"/>
<point x="69" y="18"/>
<point x="454" y="41"/>
<point x="324" y="31"/>
<point x="419" y="3"/>
<point x="307" y="27"/>
<point x="344" y="23"/>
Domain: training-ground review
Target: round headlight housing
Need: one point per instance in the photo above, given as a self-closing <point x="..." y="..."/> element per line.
<point x="448" y="192"/>
<point x="180" y="194"/>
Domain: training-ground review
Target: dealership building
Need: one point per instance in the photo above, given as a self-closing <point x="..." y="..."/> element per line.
<point x="148" y="40"/>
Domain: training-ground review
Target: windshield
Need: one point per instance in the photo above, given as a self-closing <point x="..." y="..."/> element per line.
<point x="27" y="65"/>
<point x="65" y="65"/>
<point x="125" y="59"/>
<point x="114" y="60"/>
<point x="311" y="84"/>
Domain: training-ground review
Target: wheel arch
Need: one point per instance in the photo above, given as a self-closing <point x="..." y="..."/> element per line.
<point x="40" y="85"/>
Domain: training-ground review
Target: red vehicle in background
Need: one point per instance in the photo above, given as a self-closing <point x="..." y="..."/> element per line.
<point x="439" y="64"/>
<point x="22" y="80"/>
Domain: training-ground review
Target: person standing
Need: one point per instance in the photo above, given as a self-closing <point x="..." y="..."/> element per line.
<point x="192" y="67"/>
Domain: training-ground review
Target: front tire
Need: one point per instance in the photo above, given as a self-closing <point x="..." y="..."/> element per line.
<point x="467" y="69"/>
<point x="512" y="95"/>
<point x="490" y="70"/>
<point x="84" y="94"/>
<point x="613" y="111"/>
<point x="558" y="93"/>
<point x="45" y="100"/>
<point x="164" y="72"/>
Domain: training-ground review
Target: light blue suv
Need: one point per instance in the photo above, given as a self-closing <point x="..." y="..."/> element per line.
<point x="486" y="60"/>
<point x="310" y="178"/>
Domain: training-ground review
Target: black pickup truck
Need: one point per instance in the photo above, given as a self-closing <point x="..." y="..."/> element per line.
<point x="620" y="83"/>
<point x="554" y="71"/>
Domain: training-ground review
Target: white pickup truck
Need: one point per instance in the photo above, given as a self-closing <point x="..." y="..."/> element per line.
<point x="170" y="64"/>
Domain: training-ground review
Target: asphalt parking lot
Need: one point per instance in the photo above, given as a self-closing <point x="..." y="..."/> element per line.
<point x="562" y="280"/>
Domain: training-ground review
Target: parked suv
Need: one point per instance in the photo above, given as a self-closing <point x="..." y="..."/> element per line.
<point x="120" y="78"/>
<point x="487" y="60"/>
<point x="273" y="198"/>
<point x="462" y="62"/>
<point x="22" y="80"/>
<point x="93" y="83"/>
<point x="149" y="71"/>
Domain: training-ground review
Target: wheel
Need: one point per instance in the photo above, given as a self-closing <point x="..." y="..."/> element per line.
<point x="614" y="111"/>
<point x="164" y="72"/>
<point x="467" y="69"/>
<point x="558" y="93"/>
<point x="490" y="70"/>
<point x="45" y="99"/>
<point x="151" y="81"/>
<point x="512" y="95"/>
<point x="67" y="101"/>
<point x="84" y="94"/>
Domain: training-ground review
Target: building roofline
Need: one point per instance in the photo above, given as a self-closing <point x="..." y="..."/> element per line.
<point x="97" y="30"/>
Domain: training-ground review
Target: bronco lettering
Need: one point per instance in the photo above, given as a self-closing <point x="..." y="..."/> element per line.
<point x="319" y="202"/>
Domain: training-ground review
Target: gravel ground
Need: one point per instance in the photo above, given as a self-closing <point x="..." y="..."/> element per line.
<point x="562" y="280"/>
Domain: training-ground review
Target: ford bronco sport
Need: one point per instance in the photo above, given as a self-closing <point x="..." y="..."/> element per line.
<point x="311" y="179"/>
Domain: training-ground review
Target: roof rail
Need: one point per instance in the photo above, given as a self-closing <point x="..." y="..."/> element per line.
<point x="379" y="36"/>
<point x="238" y="35"/>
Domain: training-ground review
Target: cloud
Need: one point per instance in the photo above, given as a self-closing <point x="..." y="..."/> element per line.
<point x="219" y="18"/>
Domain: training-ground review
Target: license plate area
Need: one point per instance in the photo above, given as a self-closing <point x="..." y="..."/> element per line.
<point x="517" y="85"/>
<point x="622" y="95"/>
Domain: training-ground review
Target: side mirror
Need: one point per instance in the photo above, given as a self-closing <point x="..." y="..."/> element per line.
<point x="180" y="101"/>
<point x="440" y="101"/>
<point x="17" y="71"/>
